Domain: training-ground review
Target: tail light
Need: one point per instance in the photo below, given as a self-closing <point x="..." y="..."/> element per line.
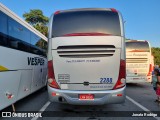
<point x="57" y="12"/>
<point x="122" y="75"/>
<point x="51" y="78"/>
<point x="113" y="10"/>
<point x="150" y="70"/>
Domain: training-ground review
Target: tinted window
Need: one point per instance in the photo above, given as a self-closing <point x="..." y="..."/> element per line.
<point x="16" y="36"/>
<point x="139" y="46"/>
<point x="3" y="29"/>
<point x="38" y="45"/>
<point x="39" y="42"/>
<point x="19" y="36"/>
<point x="34" y="39"/>
<point x="93" y="21"/>
<point x="17" y="31"/>
<point x="3" y="23"/>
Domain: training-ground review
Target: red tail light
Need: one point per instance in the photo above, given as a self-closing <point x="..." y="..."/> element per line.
<point x="51" y="78"/>
<point x="57" y="12"/>
<point x="122" y="75"/>
<point x="119" y="95"/>
<point x="150" y="70"/>
<point x="113" y="10"/>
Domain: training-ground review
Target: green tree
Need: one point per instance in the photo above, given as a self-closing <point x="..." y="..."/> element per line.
<point x="156" y="54"/>
<point x="36" y="18"/>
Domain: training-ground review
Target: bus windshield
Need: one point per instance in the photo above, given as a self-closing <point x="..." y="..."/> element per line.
<point x="137" y="46"/>
<point x="92" y="21"/>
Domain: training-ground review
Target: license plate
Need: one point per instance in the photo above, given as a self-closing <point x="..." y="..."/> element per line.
<point x="86" y="97"/>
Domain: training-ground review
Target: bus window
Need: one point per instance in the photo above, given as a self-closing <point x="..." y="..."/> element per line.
<point x="105" y="22"/>
<point x="3" y="29"/>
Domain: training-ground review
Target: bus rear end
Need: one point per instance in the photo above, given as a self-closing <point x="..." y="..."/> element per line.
<point x="138" y="60"/>
<point x="86" y="57"/>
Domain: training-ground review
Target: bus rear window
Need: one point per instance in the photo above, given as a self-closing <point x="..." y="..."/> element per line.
<point x="137" y="46"/>
<point x="93" y="21"/>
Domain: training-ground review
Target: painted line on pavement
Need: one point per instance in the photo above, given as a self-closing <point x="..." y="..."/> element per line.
<point x="42" y="109"/>
<point x="130" y="99"/>
<point x="142" y="107"/>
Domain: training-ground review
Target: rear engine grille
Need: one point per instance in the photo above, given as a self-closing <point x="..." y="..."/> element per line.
<point x="84" y="51"/>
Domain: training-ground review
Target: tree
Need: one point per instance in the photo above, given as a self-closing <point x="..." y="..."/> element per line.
<point x="36" y="18"/>
<point x="155" y="53"/>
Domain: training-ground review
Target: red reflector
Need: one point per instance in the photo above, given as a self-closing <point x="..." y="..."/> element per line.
<point x="119" y="95"/>
<point x="57" y="12"/>
<point x="53" y="94"/>
<point x="54" y="84"/>
<point x="9" y="96"/>
<point x="113" y="10"/>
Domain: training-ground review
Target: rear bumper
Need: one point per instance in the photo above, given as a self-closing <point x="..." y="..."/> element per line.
<point x="101" y="97"/>
<point x="136" y="79"/>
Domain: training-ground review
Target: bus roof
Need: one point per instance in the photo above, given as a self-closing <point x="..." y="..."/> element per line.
<point x="21" y="21"/>
<point x="136" y="41"/>
<point x="86" y="9"/>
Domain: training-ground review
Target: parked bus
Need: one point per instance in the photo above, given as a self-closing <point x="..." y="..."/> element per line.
<point x="86" y="57"/>
<point x="23" y="63"/>
<point x="138" y="60"/>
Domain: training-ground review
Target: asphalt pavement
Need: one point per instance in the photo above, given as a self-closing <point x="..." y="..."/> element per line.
<point x="139" y="100"/>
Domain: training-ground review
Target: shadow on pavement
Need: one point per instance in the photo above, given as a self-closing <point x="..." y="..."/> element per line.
<point x="138" y="85"/>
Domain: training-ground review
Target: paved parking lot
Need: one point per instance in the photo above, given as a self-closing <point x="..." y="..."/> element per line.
<point x="140" y="99"/>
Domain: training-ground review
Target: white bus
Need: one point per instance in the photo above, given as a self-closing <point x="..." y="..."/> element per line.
<point x="23" y="63"/>
<point x="138" y="60"/>
<point x="86" y="57"/>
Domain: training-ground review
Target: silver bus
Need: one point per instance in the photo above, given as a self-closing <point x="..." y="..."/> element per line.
<point x="86" y="57"/>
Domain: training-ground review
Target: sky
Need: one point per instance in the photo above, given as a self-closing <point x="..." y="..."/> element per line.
<point x="142" y="17"/>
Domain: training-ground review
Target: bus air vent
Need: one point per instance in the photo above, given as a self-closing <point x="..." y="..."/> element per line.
<point x="84" y="51"/>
